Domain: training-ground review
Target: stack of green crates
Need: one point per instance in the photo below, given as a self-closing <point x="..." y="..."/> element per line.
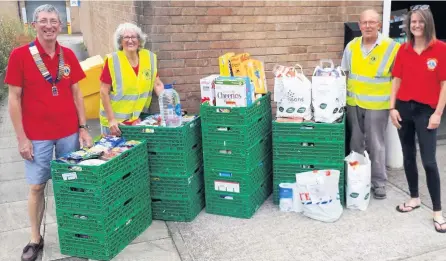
<point x="237" y="157"/>
<point x="301" y="147"/>
<point x="101" y="209"/>
<point x="176" y="169"/>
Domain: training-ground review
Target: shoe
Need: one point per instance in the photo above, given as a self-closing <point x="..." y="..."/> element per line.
<point x="31" y="251"/>
<point x="379" y="192"/>
<point x="405" y="206"/>
<point x="439" y="223"/>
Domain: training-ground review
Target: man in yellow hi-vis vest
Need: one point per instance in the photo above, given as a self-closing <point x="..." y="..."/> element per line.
<point x="368" y="60"/>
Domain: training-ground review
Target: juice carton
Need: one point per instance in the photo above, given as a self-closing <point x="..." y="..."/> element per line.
<point x="236" y="64"/>
<point x="225" y="64"/>
<point x="256" y="72"/>
<point x="234" y="91"/>
<point x="207" y="86"/>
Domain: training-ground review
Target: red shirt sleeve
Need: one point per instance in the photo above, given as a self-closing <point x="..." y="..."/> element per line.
<point x="14" y="72"/>
<point x="397" y="70"/>
<point x="76" y="72"/>
<point x="105" y="75"/>
<point x="442" y="63"/>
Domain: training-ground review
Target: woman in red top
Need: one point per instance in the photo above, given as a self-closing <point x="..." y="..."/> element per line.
<point x="417" y="102"/>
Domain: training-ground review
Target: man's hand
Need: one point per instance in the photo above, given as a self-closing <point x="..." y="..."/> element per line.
<point x="114" y="128"/>
<point x="26" y="149"/>
<point x="85" y="139"/>
<point x="396" y="118"/>
<point x="434" y="121"/>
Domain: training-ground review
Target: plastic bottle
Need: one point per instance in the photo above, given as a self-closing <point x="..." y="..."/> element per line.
<point x="170" y="107"/>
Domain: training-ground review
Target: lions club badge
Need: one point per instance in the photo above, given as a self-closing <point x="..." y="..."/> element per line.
<point x="66" y="71"/>
<point x="146" y="74"/>
<point x="373" y="59"/>
<point x="431" y="64"/>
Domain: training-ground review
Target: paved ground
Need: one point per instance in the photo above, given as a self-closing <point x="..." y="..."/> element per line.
<point x="380" y="233"/>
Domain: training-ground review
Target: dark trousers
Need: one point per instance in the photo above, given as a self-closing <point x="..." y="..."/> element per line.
<point x="415" y="119"/>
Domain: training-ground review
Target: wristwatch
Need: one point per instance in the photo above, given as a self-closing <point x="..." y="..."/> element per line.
<point x="84" y="126"/>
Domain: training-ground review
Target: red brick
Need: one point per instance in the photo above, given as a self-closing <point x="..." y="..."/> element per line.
<point x="207" y="3"/>
<point x="243" y="11"/>
<point x="316" y="48"/>
<point x="159" y="11"/>
<point x="219" y="28"/>
<point x="276" y="50"/>
<point x="198" y="63"/>
<point x="335" y="18"/>
<point x="209" y="54"/>
<point x="231" y="3"/>
<point x="158" y="20"/>
<point x="265" y="27"/>
<point x="219" y="11"/>
<point x="253" y="3"/>
<point x="185" y="55"/>
<point x="314" y="18"/>
<point x="158" y="38"/>
<point x="208" y="70"/>
<point x="167" y="29"/>
<point x="182" y="3"/>
<point x="254" y="19"/>
<point x="209" y="20"/>
<point x="199" y="28"/>
<point x="297" y="49"/>
<point x="326" y="10"/>
<point x="177" y="63"/>
<point x="279" y="35"/>
<point x="243" y="27"/>
<point x="183" y="20"/>
<point x="335" y="48"/>
<point x="194" y="11"/>
<point x="209" y="36"/>
<point x="196" y="46"/>
<point x="231" y="19"/>
<point x="185" y="71"/>
<point x="184" y="37"/>
<point x="167" y="72"/>
<point x="167" y="46"/>
<point x="277" y="3"/>
<point x="353" y="17"/>
<point x="224" y="44"/>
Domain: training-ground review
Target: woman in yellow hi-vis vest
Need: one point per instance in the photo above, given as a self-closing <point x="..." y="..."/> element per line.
<point x="128" y="79"/>
<point x="368" y="60"/>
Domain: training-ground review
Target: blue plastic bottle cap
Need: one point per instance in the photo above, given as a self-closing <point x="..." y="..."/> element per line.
<point x="168" y="86"/>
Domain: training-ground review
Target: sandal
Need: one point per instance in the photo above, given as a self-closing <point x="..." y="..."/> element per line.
<point x="439" y="230"/>
<point x="405" y="211"/>
<point x="31" y="251"/>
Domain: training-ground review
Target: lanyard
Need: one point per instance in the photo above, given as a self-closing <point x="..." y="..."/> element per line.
<point x="44" y="71"/>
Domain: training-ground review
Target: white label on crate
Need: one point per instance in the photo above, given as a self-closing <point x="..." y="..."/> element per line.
<point x="148" y="130"/>
<point x="69" y="176"/>
<point x="228" y="186"/>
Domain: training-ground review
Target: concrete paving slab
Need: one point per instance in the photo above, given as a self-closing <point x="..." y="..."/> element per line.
<point x="51" y="250"/>
<point x="162" y="249"/>
<point x="12" y="171"/>
<point x="438" y="255"/>
<point x="13" y="190"/>
<point x="50" y="211"/>
<point x="13" y="242"/>
<point x="157" y="230"/>
<point x="8" y="142"/>
<point x="10" y="155"/>
<point x="380" y="233"/>
<point x="14" y="216"/>
<point x="398" y="177"/>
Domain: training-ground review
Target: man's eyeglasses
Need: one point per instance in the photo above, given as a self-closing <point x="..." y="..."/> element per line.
<point x="419" y="7"/>
<point x="365" y="23"/>
<point x="45" y="22"/>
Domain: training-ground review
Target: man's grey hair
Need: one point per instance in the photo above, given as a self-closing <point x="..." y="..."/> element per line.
<point x="128" y="27"/>
<point x="46" y="8"/>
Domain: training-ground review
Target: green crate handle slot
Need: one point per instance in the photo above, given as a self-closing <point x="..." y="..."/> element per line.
<point x="230" y="151"/>
<point x="226" y="129"/>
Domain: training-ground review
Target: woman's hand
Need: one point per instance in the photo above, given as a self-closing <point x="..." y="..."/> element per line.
<point x="396" y="118"/>
<point x="114" y="127"/>
<point x="434" y="121"/>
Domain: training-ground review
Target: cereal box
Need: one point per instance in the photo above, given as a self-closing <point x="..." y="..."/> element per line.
<point x="225" y="64"/>
<point x="256" y="72"/>
<point x="236" y="64"/>
<point x="233" y="91"/>
<point x="207" y="86"/>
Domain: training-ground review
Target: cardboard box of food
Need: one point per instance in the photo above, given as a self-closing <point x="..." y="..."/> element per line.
<point x="233" y="91"/>
<point x="236" y="64"/>
<point x="207" y="87"/>
<point x="224" y="62"/>
<point x="256" y="72"/>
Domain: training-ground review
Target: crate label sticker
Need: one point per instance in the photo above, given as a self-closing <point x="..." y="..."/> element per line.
<point x="221" y="185"/>
<point x="225" y="174"/>
<point x="69" y="176"/>
<point x="149" y="130"/>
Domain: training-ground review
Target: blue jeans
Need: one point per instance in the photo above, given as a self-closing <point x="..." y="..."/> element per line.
<point x="38" y="170"/>
<point x="415" y="119"/>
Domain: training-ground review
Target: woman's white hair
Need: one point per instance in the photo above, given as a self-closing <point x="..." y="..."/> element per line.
<point x="128" y="27"/>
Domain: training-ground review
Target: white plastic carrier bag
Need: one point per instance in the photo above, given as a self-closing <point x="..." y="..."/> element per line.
<point x="319" y="193"/>
<point x="359" y="174"/>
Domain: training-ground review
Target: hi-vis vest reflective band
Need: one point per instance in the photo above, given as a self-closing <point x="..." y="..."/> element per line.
<point x="369" y="82"/>
<point x="131" y="94"/>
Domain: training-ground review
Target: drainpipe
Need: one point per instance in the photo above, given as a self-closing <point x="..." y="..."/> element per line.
<point x="19" y="10"/>
<point x="394" y="154"/>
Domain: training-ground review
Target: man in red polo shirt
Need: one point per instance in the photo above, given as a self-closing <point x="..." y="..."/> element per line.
<point x="46" y="109"/>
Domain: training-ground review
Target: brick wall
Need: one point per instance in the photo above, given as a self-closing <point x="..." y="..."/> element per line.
<point x="99" y="20"/>
<point x="9" y="9"/>
<point x="189" y="36"/>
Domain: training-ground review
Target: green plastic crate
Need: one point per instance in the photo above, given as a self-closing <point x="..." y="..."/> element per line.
<point x="238" y="205"/>
<point x="308" y="132"/>
<point x="102" y="199"/>
<point x="178" y="210"/>
<point x="176" y="188"/>
<point x="237" y="157"/>
<point x="166" y="139"/>
<point x="246" y="181"/>
<point x="238" y="135"/>
<point x="99" y="175"/>
<point x="235" y="115"/>
<point x="317" y="152"/>
<point x="176" y="163"/>
<point x="99" y="246"/>
<point x="92" y="222"/>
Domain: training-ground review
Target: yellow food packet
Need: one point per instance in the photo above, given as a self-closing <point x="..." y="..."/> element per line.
<point x="225" y="64"/>
<point x="256" y="72"/>
<point x="236" y="64"/>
